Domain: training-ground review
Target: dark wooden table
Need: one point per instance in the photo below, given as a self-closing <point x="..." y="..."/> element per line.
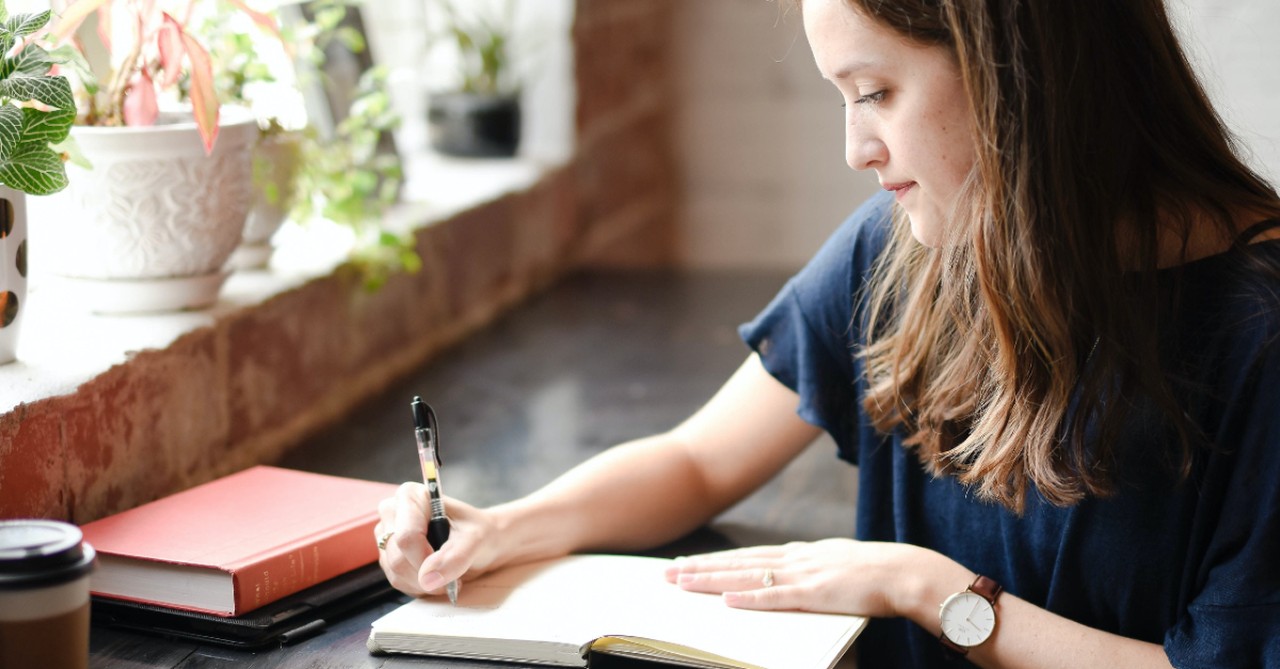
<point x="599" y="359"/>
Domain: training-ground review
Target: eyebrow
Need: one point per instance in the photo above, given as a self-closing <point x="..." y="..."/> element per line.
<point x="853" y="68"/>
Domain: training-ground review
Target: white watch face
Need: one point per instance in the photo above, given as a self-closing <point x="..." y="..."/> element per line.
<point x="967" y="619"/>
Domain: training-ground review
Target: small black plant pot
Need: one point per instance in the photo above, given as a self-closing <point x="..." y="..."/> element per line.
<point x="474" y="125"/>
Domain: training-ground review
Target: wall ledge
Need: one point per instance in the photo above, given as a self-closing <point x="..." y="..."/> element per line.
<point x="62" y="345"/>
<point x="101" y="413"/>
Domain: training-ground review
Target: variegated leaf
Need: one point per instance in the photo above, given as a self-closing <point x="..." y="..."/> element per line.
<point x="52" y="91"/>
<point x="32" y="61"/>
<point x="10" y="129"/>
<point x="48" y="126"/>
<point x="34" y="169"/>
<point x="21" y="25"/>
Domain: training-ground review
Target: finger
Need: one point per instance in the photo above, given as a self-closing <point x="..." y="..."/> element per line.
<point x="729" y="581"/>
<point x="407" y="547"/>
<point x="400" y="574"/>
<point x="410" y="509"/>
<point x="456" y="557"/>
<point x="387" y="511"/>
<point x="408" y="585"/>
<point x="737" y="554"/>
<point x="766" y="599"/>
<point x="722" y="562"/>
<point x="429" y="578"/>
<point x="391" y="562"/>
<point x="766" y="550"/>
<point x="442" y="566"/>
<point x="401" y="559"/>
<point x="410" y="525"/>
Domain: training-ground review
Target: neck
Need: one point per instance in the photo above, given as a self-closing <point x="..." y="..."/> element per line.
<point x="1208" y="237"/>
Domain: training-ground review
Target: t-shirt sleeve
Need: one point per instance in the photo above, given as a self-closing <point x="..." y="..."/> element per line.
<point x="807" y="337"/>
<point x="1233" y="620"/>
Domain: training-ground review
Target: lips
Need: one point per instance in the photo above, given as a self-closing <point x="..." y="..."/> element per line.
<point x="899" y="189"/>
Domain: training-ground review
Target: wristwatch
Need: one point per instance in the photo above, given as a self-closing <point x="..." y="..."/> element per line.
<point x="969" y="617"/>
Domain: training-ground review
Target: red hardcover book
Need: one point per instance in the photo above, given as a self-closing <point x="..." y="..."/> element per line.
<point x="237" y="543"/>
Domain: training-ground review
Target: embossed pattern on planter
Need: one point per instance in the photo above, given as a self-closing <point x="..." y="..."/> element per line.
<point x="172" y="214"/>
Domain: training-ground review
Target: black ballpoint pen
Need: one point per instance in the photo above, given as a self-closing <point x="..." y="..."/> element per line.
<point x="428" y="437"/>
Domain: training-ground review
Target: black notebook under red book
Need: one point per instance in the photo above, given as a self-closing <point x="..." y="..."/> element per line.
<point x="289" y="620"/>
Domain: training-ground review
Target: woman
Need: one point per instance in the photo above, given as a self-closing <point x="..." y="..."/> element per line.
<point x="1051" y="350"/>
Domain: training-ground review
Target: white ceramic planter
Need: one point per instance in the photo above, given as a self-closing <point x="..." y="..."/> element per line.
<point x="275" y="169"/>
<point x="151" y="226"/>
<point x="13" y="275"/>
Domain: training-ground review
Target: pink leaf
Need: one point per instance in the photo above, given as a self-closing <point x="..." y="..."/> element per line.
<point x="171" y="52"/>
<point x="204" y="102"/>
<point x="263" y="20"/>
<point x="104" y="26"/>
<point x="74" y="15"/>
<point x="140" y="106"/>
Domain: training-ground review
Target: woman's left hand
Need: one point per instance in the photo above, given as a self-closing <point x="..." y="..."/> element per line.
<point x="830" y="576"/>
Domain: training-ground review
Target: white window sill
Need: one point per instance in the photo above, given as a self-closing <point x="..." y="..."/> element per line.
<point x="62" y="346"/>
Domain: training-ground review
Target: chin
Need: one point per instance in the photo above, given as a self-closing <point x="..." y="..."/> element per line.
<point x="925" y="231"/>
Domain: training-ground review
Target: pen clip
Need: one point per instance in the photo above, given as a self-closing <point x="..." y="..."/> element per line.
<point x="435" y="433"/>
<point x="424" y="418"/>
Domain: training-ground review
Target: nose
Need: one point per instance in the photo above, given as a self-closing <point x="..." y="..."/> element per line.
<point x="863" y="148"/>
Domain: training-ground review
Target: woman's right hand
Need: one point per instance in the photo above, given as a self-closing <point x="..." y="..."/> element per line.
<point x="407" y="559"/>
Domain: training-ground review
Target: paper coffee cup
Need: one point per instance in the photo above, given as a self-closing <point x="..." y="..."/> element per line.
<point x="44" y="595"/>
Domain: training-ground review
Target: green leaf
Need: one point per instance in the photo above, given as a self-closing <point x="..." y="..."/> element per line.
<point x="21" y="25"/>
<point x="46" y="126"/>
<point x="54" y="92"/>
<point x="34" y="169"/>
<point x="32" y="61"/>
<point x="10" y="129"/>
<point x="68" y="55"/>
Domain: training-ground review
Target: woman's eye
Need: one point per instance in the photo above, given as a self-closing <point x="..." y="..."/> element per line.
<point x="871" y="98"/>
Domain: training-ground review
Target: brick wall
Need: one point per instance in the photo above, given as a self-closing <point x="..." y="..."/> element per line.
<point x="624" y="167"/>
<point x="262" y="378"/>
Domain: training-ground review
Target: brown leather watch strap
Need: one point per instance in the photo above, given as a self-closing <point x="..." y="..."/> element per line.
<point x="952" y="646"/>
<point x="986" y="587"/>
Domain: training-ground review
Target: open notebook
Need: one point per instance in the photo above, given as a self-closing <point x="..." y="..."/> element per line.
<point x="559" y="611"/>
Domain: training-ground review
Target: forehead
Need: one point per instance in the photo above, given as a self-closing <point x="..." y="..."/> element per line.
<point x="845" y="41"/>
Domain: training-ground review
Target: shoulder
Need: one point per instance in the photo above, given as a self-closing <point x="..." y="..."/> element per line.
<point x="805" y="337"/>
<point x="1232" y="306"/>
<point x="1225" y="358"/>
<point x="818" y="304"/>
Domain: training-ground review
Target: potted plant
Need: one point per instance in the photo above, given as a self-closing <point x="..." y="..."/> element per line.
<point x="351" y="180"/>
<point x="151" y="224"/>
<point x="343" y="170"/>
<point x="256" y="70"/>
<point x="36" y="111"/>
<point x="480" y="115"/>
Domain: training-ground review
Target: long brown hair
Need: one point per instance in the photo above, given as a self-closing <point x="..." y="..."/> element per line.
<point x="1094" y="142"/>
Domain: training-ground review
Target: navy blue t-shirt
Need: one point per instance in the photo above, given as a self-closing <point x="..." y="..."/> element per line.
<point x="1194" y="566"/>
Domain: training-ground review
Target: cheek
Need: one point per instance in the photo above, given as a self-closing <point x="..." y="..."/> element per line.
<point x="943" y="124"/>
<point x="954" y="152"/>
